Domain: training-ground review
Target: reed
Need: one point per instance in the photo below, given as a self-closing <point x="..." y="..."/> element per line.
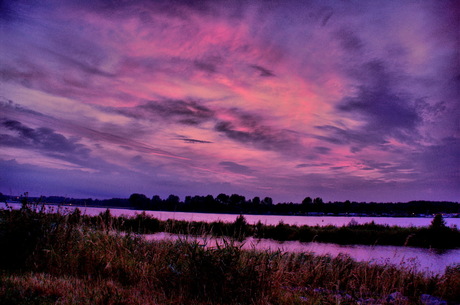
<point x="441" y="237"/>
<point x="70" y="259"/>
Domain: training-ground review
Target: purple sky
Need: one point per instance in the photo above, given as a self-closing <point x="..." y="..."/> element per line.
<point x="354" y="100"/>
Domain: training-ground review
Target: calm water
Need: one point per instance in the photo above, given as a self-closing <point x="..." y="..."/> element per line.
<point x="424" y="260"/>
<point x="421" y="259"/>
<point x="265" y="219"/>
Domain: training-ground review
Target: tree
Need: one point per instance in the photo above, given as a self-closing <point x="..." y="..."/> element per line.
<point x="156" y="202"/>
<point x="438" y="223"/>
<point x="318" y="201"/>
<point x="223" y="198"/>
<point x="172" y="202"/>
<point x="209" y="203"/>
<point x="347" y="206"/>
<point x="139" y="201"/>
<point x="236" y="199"/>
<point x="267" y="201"/>
<point x="306" y="204"/>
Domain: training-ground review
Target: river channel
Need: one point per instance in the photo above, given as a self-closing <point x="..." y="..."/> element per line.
<point x="426" y="260"/>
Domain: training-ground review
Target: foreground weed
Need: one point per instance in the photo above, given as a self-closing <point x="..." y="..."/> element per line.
<point x="70" y="259"/>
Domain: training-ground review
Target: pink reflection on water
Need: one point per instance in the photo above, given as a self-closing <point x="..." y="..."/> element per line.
<point x="253" y="219"/>
<point x="418" y="259"/>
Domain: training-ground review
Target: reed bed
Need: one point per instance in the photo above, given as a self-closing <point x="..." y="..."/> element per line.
<point x="435" y="236"/>
<point x="63" y="259"/>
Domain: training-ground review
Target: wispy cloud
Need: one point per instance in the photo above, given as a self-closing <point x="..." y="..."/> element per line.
<point x="340" y="100"/>
<point x="236" y="168"/>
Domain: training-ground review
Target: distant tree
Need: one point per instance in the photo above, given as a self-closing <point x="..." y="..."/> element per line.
<point x="172" y="202"/>
<point x="139" y="201"/>
<point x="223" y="198"/>
<point x="318" y="204"/>
<point x="347" y="206"/>
<point x="267" y="201"/>
<point x="438" y="223"/>
<point x="209" y="203"/>
<point x="157" y="203"/>
<point x="306" y="205"/>
<point x="237" y="199"/>
<point x="318" y="201"/>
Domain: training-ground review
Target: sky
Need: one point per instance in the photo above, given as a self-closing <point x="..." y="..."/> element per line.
<point x="354" y="100"/>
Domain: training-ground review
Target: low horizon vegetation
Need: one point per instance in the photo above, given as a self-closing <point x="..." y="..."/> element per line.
<point x="50" y="258"/>
<point x="237" y="204"/>
<point x="437" y="235"/>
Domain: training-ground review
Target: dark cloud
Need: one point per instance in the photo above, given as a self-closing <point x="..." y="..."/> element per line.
<point x="87" y="63"/>
<point x="193" y="141"/>
<point x="208" y="64"/>
<point x="236" y="168"/>
<point x="245" y="127"/>
<point x="28" y="75"/>
<point x="122" y="141"/>
<point x="349" y="40"/>
<point x="41" y="138"/>
<point x="263" y="71"/>
<point x="385" y="112"/>
<point x="260" y="136"/>
<point x="303" y="165"/>
<point x="50" y="144"/>
<point x="322" y="150"/>
<point x="121" y="136"/>
<point x="252" y="129"/>
<point x="8" y="106"/>
<point x="338" y="167"/>
<point x="345" y="136"/>
<point x="181" y="111"/>
<point x="65" y="82"/>
<point x="7" y="11"/>
<point x="372" y="164"/>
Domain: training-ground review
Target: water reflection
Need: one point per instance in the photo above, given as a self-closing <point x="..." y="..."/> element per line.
<point x="428" y="260"/>
<point x="424" y="260"/>
<point x="253" y="219"/>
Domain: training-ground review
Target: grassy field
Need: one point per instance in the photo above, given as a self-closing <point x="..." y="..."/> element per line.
<point x="67" y="259"/>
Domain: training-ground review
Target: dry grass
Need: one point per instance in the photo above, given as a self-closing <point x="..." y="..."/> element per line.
<point x="67" y="262"/>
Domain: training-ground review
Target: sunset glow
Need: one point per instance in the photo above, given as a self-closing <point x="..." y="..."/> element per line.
<point x="341" y="100"/>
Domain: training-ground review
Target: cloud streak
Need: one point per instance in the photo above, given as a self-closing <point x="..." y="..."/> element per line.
<point x="288" y="99"/>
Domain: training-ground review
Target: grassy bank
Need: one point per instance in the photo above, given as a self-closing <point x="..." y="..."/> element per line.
<point x="437" y="235"/>
<point x="69" y="259"/>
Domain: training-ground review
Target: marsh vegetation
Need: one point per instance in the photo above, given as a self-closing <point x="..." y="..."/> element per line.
<point x="49" y="258"/>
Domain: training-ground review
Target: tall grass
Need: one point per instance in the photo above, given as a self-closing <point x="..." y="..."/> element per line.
<point x="68" y="259"/>
<point x="441" y="237"/>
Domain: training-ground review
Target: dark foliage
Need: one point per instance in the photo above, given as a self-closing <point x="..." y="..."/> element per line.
<point x="237" y="204"/>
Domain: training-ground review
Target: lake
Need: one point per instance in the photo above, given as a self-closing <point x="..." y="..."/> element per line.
<point x="421" y="259"/>
<point x="424" y="260"/>
<point x="253" y="219"/>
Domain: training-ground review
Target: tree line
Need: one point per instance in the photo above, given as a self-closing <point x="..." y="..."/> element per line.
<point x="235" y="203"/>
<point x="238" y="204"/>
